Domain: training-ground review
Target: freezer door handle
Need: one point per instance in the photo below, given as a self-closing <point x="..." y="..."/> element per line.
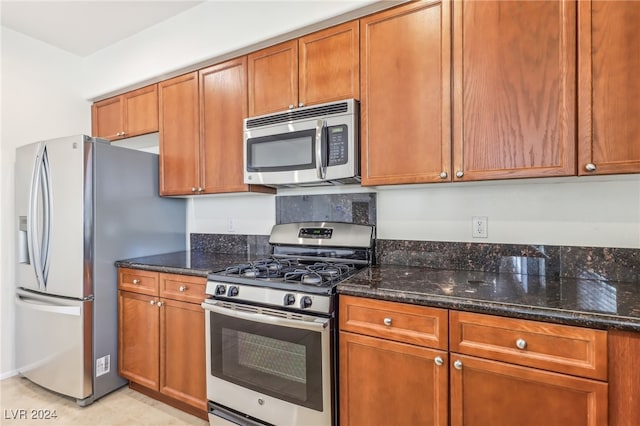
<point x="42" y="306"/>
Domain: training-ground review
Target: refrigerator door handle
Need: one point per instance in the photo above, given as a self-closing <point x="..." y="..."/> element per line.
<point x="46" y="215"/>
<point x="32" y="224"/>
<point x="39" y="305"/>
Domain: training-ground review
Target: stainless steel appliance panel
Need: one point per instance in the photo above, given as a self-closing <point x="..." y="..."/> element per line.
<point x="50" y="342"/>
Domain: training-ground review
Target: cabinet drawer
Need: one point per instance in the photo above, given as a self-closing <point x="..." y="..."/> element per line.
<point x="138" y="281"/>
<point x="565" y="349"/>
<point x="395" y="321"/>
<point x="182" y="287"/>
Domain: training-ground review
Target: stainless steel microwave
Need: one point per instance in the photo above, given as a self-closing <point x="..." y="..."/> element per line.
<point x="316" y="145"/>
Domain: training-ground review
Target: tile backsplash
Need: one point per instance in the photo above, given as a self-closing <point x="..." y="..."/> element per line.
<point x="357" y="208"/>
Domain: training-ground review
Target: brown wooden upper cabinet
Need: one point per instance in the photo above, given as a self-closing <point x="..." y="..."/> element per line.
<point x="405" y="88"/>
<point x="130" y="114"/>
<point x="514" y="89"/>
<point x="201" y="136"/>
<point x="317" y="68"/>
<point x="609" y="95"/>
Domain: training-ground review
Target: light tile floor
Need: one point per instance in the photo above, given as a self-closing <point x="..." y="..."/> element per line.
<point x="122" y="407"/>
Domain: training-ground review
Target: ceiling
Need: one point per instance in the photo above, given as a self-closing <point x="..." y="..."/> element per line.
<point x="84" y="27"/>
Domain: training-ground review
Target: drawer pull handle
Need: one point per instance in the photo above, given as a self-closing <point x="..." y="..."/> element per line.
<point x="438" y="360"/>
<point x="521" y="343"/>
<point x="457" y="365"/>
<point x="387" y="321"/>
<point x="136" y="281"/>
<point x="183" y="288"/>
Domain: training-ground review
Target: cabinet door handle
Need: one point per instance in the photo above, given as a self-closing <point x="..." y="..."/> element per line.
<point x="193" y="189"/>
<point x="152" y="302"/>
<point x="182" y="288"/>
<point x="443" y="175"/>
<point x="159" y="304"/>
<point x="136" y="281"/>
<point x="457" y="365"/>
<point x="387" y="321"/>
<point x="459" y="173"/>
<point x="200" y="189"/>
<point x="521" y="344"/>
<point x="301" y="104"/>
<point x="438" y="360"/>
<point x="291" y="106"/>
<point x="590" y="167"/>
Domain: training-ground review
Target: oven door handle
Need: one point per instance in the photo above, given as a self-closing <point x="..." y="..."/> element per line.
<point x="318" y="324"/>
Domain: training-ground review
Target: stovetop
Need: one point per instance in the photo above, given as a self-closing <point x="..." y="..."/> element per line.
<point x="308" y="261"/>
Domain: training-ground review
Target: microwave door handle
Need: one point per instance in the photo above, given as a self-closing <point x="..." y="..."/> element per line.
<point x="321" y="125"/>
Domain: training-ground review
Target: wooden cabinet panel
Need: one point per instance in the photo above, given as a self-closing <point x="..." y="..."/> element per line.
<point x="131" y="114"/>
<point x="391" y="383"/>
<point x="273" y="78"/>
<point x="624" y="378"/>
<point x="182" y="352"/>
<point x="493" y="393"/>
<point x="395" y="321"/>
<point x="138" y="338"/>
<point x="141" y="111"/>
<point x="405" y="94"/>
<point x="107" y="118"/>
<point x="329" y="65"/>
<point x="514" y="89"/>
<point x="179" y="135"/>
<point x="566" y="349"/>
<point x="223" y="106"/>
<point x="183" y="287"/>
<point x="609" y="95"/>
<point x="138" y="281"/>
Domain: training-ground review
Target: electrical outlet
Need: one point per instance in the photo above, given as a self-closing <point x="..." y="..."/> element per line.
<point x="231" y="225"/>
<point x="479" y="225"/>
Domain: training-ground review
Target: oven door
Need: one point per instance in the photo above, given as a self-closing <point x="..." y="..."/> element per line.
<point x="269" y="365"/>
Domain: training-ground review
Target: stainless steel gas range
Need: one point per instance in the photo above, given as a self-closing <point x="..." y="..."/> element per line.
<point x="270" y="326"/>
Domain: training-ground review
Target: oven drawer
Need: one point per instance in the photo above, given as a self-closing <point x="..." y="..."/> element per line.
<point x="183" y="287"/>
<point x="564" y="349"/>
<point x="138" y="281"/>
<point x="402" y="322"/>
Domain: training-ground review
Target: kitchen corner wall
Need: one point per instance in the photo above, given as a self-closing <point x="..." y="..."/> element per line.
<point x="599" y="211"/>
<point x="41" y="99"/>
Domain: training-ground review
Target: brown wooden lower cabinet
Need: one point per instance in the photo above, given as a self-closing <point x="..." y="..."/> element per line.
<point x="161" y="340"/>
<point x="390" y="383"/>
<point x="485" y="392"/>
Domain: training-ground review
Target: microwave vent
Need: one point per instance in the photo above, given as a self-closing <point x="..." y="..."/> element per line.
<point x="297" y="114"/>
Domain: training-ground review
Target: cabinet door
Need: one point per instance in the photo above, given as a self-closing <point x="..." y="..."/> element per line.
<point x="390" y="383"/>
<point x="179" y="135"/>
<point x="138" y="338"/>
<point x="609" y="96"/>
<point x="223" y="106"/>
<point x="492" y="393"/>
<point x="405" y="94"/>
<point x="514" y="89"/>
<point x="182" y="352"/>
<point x="273" y="78"/>
<point x="329" y="65"/>
<point x="107" y="118"/>
<point x="141" y="111"/>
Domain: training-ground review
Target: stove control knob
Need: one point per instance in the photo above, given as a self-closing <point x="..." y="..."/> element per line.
<point x="305" y="302"/>
<point x="221" y="290"/>
<point x="289" y="299"/>
<point x="233" y="291"/>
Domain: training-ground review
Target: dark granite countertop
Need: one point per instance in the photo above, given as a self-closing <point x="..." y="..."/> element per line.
<point x="582" y="302"/>
<point x="198" y="263"/>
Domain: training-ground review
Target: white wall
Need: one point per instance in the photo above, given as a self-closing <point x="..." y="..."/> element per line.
<point x="601" y="211"/>
<point x="41" y="99"/>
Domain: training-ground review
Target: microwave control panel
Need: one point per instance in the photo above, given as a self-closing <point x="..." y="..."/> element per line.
<point x="338" y="143"/>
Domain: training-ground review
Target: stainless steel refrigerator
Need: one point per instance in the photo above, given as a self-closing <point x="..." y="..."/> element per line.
<point x="82" y="204"/>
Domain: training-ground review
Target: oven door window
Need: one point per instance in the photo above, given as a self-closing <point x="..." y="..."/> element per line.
<point x="283" y="152"/>
<point x="282" y="362"/>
